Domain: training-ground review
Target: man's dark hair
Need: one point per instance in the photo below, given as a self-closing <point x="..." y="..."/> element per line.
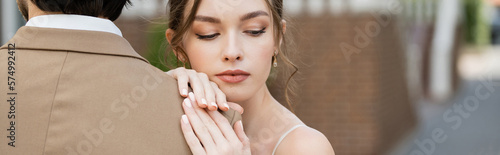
<point x="110" y="9"/>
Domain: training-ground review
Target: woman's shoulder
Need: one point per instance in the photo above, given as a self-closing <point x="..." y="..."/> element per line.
<point x="305" y="140"/>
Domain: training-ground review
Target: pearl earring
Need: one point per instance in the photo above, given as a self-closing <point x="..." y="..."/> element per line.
<point x="275" y="62"/>
<point x="183" y="61"/>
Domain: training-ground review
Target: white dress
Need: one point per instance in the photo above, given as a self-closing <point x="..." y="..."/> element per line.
<point x="284" y="135"/>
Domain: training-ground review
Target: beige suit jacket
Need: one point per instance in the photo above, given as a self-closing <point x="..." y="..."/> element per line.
<point x="85" y="92"/>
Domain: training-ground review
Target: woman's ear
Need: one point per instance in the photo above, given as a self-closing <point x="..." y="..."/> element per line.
<point x="169" y="34"/>
<point x="283" y="23"/>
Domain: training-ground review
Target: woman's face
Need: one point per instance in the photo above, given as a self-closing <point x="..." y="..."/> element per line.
<point x="232" y="42"/>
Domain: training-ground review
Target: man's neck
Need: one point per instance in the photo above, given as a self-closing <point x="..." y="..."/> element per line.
<point x="74" y="22"/>
<point x="52" y="13"/>
<point x="32" y="15"/>
<point x="34" y="11"/>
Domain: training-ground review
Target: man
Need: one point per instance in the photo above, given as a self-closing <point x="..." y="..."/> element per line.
<point x="73" y="85"/>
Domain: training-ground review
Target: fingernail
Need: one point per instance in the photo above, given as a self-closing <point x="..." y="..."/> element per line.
<point x="184" y="92"/>
<point x="203" y="101"/>
<point x="227" y="106"/>
<point x="188" y="103"/>
<point x="185" y="119"/>
<point x="191" y="96"/>
<point x="241" y="124"/>
<point x="215" y="105"/>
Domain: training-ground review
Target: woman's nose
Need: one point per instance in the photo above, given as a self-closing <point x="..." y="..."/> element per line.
<point x="232" y="57"/>
<point x="233" y="51"/>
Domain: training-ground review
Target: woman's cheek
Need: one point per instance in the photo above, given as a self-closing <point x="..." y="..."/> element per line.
<point x="262" y="48"/>
<point x="261" y="62"/>
<point x="198" y="60"/>
<point x="201" y="55"/>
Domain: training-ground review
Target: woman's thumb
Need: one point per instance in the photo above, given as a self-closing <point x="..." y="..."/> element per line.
<point x="238" y="129"/>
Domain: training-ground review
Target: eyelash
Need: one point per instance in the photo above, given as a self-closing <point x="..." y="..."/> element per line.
<point x="257" y="33"/>
<point x="207" y="37"/>
<point x="213" y="36"/>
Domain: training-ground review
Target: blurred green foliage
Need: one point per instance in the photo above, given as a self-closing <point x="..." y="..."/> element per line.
<point x="477" y="29"/>
<point x="158" y="54"/>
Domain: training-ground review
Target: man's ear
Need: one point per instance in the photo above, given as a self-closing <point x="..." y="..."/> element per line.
<point x="23" y="8"/>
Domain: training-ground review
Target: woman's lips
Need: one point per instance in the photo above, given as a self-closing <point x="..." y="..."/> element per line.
<point x="233" y="76"/>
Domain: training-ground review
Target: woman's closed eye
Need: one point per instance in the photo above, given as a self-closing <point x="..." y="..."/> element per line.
<point x="253" y="33"/>
<point x="208" y="37"/>
<point x="256" y="33"/>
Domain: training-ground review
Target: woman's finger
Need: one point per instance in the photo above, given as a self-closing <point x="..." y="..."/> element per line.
<point x="212" y="127"/>
<point x="224" y="126"/>
<point x="240" y="132"/>
<point x="209" y="92"/>
<point x="236" y="107"/>
<point x="198" y="126"/>
<point x="191" y="139"/>
<point x="220" y="97"/>
<point x="182" y="80"/>
<point x="198" y="88"/>
<point x="192" y="98"/>
<point x="238" y="129"/>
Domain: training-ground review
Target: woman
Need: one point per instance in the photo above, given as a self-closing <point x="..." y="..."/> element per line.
<point x="231" y="45"/>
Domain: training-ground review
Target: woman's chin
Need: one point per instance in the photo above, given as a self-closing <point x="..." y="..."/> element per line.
<point x="239" y="93"/>
<point x="236" y="99"/>
<point x="238" y="96"/>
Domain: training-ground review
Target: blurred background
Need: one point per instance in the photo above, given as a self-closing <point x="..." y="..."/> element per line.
<point x="415" y="77"/>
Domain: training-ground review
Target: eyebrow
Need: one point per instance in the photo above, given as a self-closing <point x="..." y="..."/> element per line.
<point x="253" y="15"/>
<point x="207" y="19"/>
<point x="247" y="16"/>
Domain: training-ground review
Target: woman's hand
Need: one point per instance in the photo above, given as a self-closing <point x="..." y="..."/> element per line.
<point x="208" y="132"/>
<point x="206" y="93"/>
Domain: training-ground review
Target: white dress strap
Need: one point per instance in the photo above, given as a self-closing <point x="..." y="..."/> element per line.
<point x="284" y="135"/>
